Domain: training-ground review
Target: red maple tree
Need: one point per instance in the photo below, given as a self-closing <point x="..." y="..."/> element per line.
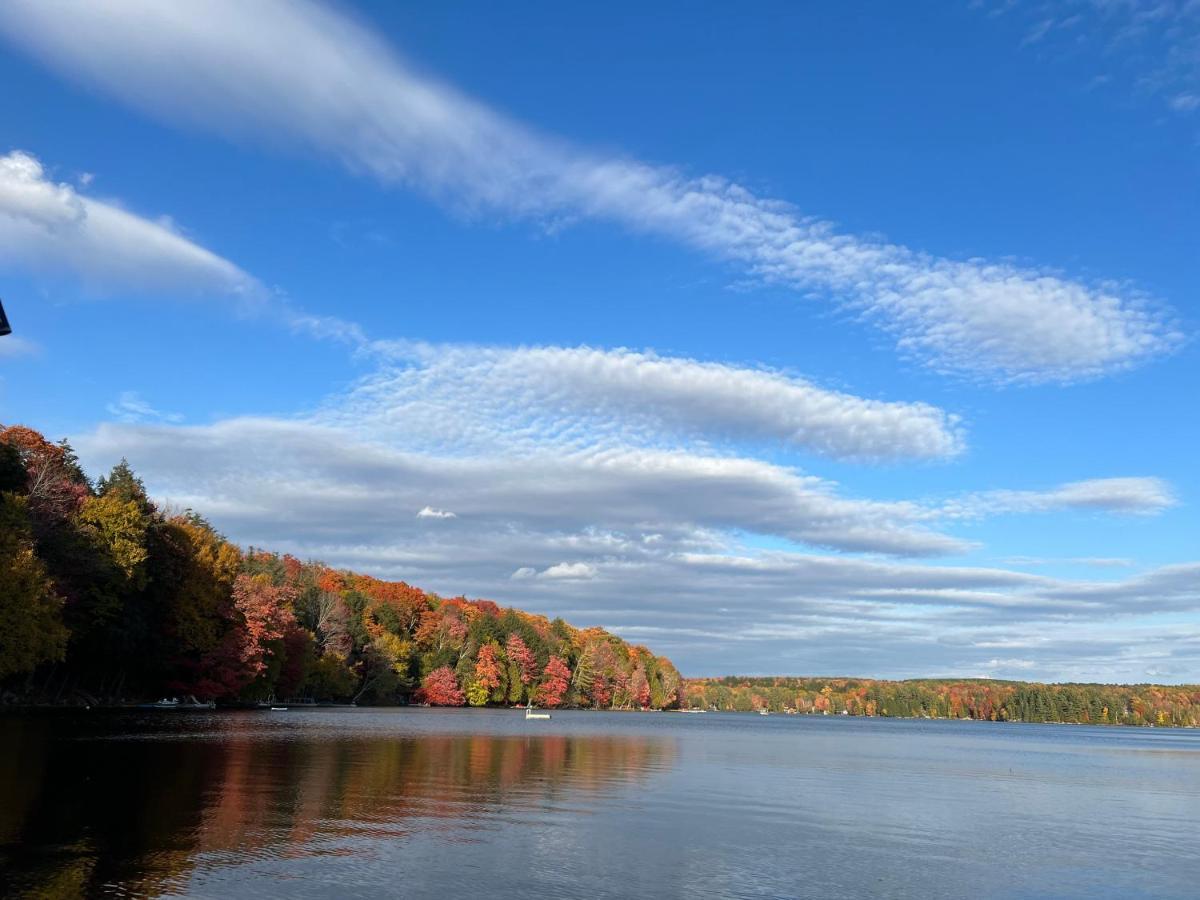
<point x="440" y="688"/>
<point x="520" y="654"/>
<point x="639" y="686"/>
<point x="555" y="681"/>
<point x="487" y="667"/>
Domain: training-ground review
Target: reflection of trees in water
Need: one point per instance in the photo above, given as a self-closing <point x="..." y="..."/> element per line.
<point x="76" y="815"/>
<point x="380" y="785"/>
<point x="81" y="814"/>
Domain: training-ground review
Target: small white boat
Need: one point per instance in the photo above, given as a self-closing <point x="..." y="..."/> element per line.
<point x="278" y="709"/>
<point x="188" y="702"/>
<point x="763" y="711"/>
<point x="531" y="713"/>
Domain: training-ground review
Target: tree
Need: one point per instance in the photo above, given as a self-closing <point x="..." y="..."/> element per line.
<point x="133" y="602"/>
<point x="522" y="657"/>
<point x="266" y="616"/>
<point x="555" y="680"/>
<point x="403" y="603"/>
<point x="440" y="688"/>
<point x="298" y="659"/>
<point x="442" y="628"/>
<point x="477" y="694"/>
<point x="333" y="624"/>
<point x="489" y="675"/>
<point x="605" y="668"/>
<point x="584" y="676"/>
<point x="330" y="679"/>
<point x="619" y="688"/>
<point x="601" y="692"/>
<point x="124" y="486"/>
<point x="670" y="682"/>
<point x="118" y="527"/>
<point x="192" y="574"/>
<point x="12" y="470"/>
<point x="55" y="484"/>
<point x="639" y="686"/>
<point x="31" y="628"/>
<point x="258" y="619"/>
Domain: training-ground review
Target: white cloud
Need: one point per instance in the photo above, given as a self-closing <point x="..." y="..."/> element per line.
<point x="131" y="407"/>
<point x="653" y="544"/>
<point x="13" y="346"/>
<point x="300" y="72"/>
<point x="1185" y="102"/>
<point x="1133" y="496"/>
<point x="428" y="512"/>
<point x="48" y="227"/>
<point x="1100" y="562"/>
<point x="570" y="571"/>
<point x="326" y="476"/>
<point x="471" y="396"/>
<point x="1009" y="664"/>
<point x="1152" y="45"/>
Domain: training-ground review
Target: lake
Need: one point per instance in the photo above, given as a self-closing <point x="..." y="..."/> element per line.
<point x="442" y="803"/>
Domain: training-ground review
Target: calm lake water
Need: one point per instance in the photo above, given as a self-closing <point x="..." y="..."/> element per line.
<point x="442" y="803"/>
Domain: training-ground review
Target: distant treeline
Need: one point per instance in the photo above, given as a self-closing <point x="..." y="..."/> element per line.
<point x="999" y="701"/>
<point x="104" y="598"/>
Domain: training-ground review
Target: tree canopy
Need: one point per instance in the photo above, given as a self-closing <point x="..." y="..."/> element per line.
<point x="986" y="699"/>
<point x="105" y="597"/>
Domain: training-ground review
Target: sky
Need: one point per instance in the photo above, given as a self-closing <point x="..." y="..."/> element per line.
<point x="833" y="339"/>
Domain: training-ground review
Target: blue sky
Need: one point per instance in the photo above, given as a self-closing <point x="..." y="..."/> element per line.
<point x="819" y="341"/>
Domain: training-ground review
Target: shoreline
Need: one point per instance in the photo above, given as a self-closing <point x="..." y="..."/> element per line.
<point x="19" y="709"/>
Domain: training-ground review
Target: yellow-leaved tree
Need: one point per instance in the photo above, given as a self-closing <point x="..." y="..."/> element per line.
<point x="31" y="628"/>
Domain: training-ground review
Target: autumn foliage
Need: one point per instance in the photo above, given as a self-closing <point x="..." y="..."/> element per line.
<point x="555" y="681"/>
<point x="440" y="688"/>
<point x="980" y="699"/>
<point x="105" y="597"/>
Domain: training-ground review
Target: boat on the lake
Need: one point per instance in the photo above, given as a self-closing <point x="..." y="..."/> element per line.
<point x="532" y="713"/>
<point x="763" y="711"/>
<point x="188" y="702"/>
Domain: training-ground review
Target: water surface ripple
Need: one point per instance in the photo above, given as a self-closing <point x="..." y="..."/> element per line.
<point x="435" y="803"/>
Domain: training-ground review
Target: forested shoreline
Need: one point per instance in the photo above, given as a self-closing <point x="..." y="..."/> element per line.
<point x="107" y="599"/>
<point x="941" y="698"/>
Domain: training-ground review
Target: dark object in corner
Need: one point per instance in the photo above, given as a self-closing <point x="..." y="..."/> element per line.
<point x="5" y="328"/>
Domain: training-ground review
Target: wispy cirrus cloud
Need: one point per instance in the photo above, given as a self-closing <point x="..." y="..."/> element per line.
<point x="471" y="396"/>
<point x="1100" y="562"/>
<point x="13" y="346"/>
<point x="563" y="570"/>
<point x="302" y="72"/>
<point x="1150" y="46"/>
<point x="1184" y="102"/>
<point x="654" y="539"/>
<point x="1133" y="496"/>
<point x="331" y="480"/>
<point x="131" y="407"/>
<point x="47" y="227"/>
<point x="545" y="442"/>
